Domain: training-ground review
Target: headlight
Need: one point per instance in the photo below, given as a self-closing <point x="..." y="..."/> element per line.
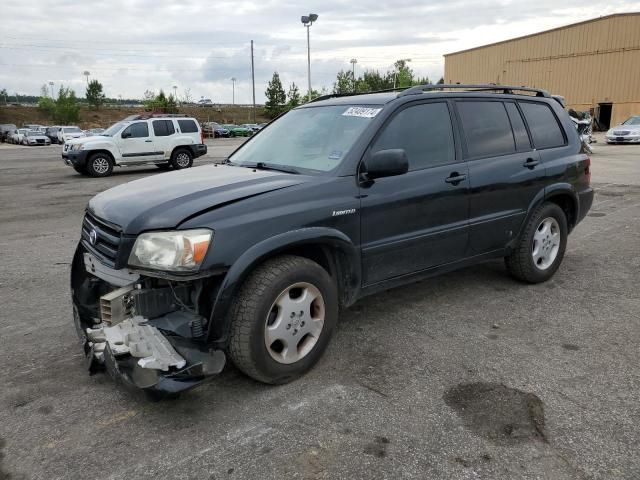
<point x="77" y="147"/>
<point x="174" y="251"/>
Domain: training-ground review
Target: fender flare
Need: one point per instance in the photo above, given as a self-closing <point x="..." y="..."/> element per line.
<point x="545" y="194"/>
<point x="327" y="237"/>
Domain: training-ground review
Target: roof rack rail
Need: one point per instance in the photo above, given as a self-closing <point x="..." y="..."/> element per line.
<point x="147" y="116"/>
<point x="351" y="94"/>
<point x="490" y="87"/>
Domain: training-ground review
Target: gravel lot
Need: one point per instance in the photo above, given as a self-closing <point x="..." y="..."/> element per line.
<point x="470" y="375"/>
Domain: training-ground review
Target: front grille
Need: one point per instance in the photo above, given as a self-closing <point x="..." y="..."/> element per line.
<point x="621" y="132"/>
<point x="107" y="239"/>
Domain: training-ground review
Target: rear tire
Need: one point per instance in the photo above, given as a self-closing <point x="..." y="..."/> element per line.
<point x="99" y="165"/>
<point x="181" y="158"/>
<point x="290" y="298"/>
<point x="541" y="247"/>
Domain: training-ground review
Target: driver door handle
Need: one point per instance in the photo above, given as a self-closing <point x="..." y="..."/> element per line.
<point x="530" y="163"/>
<point x="455" y="178"/>
<point x="148" y="141"/>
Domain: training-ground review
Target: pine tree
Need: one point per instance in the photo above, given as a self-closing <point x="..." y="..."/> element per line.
<point x="95" y="96"/>
<point x="276" y="97"/>
<point x="293" y="95"/>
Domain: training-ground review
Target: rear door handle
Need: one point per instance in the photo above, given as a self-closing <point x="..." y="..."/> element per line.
<point x="530" y="163"/>
<point x="455" y="178"/>
<point x="148" y="141"/>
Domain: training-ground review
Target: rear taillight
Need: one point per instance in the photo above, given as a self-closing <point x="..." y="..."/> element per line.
<point x="587" y="169"/>
<point x="202" y="136"/>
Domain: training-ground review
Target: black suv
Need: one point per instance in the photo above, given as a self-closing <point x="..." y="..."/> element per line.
<point x="335" y="200"/>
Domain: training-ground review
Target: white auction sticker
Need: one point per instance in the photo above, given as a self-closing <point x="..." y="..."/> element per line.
<point x="361" y="112"/>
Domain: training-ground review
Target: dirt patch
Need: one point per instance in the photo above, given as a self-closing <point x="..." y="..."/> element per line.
<point x="597" y="214"/>
<point x="570" y="347"/>
<point x="501" y="414"/>
<point x="377" y="448"/>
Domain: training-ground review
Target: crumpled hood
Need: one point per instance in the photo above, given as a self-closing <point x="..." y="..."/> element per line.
<point x="164" y="201"/>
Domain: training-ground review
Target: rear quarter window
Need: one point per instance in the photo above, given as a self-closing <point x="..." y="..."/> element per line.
<point x="543" y="125"/>
<point x="188" y="126"/>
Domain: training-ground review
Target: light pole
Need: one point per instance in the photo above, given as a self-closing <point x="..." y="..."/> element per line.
<point x="51" y="85"/>
<point x="353" y="62"/>
<point x="233" y="98"/>
<point x="307" y="21"/>
<point x="175" y="91"/>
<point x="86" y="73"/>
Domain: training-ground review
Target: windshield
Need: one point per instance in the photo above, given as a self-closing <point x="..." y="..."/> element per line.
<point x="72" y="130"/>
<point x="632" y="121"/>
<point x="313" y="138"/>
<point x="113" y="129"/>
<point x="22" y="131"/>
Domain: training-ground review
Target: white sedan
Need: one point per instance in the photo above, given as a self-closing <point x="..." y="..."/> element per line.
<point x="34" y="137"/>
<point x="17" y="136"/>
<point x="627" y="132"/>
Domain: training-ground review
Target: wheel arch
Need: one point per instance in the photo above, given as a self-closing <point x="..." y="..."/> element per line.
<point x="91" y="153"/>
<point x="330" y="248"/>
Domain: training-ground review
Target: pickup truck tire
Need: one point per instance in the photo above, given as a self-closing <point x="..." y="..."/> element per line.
<point x="80" y="170"/>
<point x="286" y="297"/>
<point x="181" y="158"/>
<point x="99" y="165"/>
<point x="541" y="247"/>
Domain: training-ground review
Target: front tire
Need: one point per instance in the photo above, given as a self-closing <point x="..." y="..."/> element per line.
<point x="282" y="319"/>
<point x="541" y="247"/>
<point x="181" y="158"/>
<point x="99" y="165"/>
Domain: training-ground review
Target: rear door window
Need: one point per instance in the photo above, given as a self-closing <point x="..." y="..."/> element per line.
<point x="424" y="132"/>
<point x="487" y="129"/>
<point x="543" y="125"/>
<point x="163" y="128"/>
<point x="188" y="126"/>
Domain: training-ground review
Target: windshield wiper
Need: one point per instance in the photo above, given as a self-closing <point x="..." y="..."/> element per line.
<point x="268" y="166"/>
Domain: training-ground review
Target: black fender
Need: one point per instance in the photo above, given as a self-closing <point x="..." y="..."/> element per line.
<point x="348" y="267"/>
<point x="544" y="194"/>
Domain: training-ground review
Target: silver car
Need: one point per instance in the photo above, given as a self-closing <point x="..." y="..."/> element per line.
<point x="627" y="132"/>
<point x="35" y="137"/>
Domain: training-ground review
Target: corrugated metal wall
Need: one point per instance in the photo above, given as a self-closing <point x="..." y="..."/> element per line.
<point x="588" y="63"/>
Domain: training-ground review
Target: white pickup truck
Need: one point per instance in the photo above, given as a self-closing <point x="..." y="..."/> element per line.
<point x="167" y="141"/>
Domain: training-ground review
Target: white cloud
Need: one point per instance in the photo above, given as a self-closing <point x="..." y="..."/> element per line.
<point x="132" y="46"/>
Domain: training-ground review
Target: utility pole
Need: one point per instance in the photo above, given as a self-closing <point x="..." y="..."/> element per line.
<point x="253" y="84"/>
<point x="233" y="101"/>
<point x="353" y="72"/>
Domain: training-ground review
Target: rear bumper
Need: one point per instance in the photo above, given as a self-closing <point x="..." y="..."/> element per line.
<point x="585" y="200"/>
<point x="198" y="150"/>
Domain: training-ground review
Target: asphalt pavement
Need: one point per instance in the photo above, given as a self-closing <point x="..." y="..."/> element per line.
<point x="465" y="376"/>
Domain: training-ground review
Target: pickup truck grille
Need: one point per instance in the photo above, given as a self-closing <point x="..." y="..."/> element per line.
<point x="105" y="242"/>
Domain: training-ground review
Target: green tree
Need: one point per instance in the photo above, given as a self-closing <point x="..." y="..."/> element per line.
<point x="95" y="96"/>
<point x="276" y="97"/>
<point x="293" y="96"/>
<point x="344" y="82"/>
<point x="67" y="108"/>
<point x="441" y="81"/>
<point x="160" y="103"/>
<point x="403" y="74"/>
<point x="3" y="94"/>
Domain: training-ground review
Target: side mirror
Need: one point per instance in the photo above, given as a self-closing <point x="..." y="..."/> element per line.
<point x="125" y="134"/>
<point x="386" y="163"/>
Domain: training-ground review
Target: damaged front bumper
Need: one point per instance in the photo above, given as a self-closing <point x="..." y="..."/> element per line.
<point x="144" y="337"/>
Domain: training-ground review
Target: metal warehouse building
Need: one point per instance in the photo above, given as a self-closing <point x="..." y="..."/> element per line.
<point x="593" y="64"/>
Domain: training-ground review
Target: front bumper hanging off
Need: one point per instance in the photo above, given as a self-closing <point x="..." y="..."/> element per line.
<point x="156" y="352"/>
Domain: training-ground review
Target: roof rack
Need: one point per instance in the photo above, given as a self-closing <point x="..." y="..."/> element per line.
<point x="491" y="87"/>
<point x="147" y="116"/>
<point x="351" y="94"/>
